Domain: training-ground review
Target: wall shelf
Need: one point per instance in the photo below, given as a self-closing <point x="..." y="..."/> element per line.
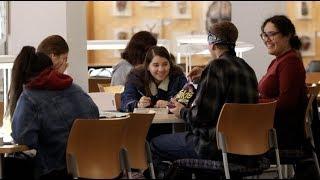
<point x="186" y="46"/>
<point x="118" y="44"/>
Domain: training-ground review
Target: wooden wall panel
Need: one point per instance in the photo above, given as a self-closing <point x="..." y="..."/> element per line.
<point x="102" y="23"/>
<point x="307" y="25"/>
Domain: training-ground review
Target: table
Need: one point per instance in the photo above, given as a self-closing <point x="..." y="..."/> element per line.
<point x="164" y="118"/>
<point x="167" y="118"/>
<point x="9" y="149"/>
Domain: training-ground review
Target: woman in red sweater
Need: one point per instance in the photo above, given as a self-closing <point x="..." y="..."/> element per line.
<point x="285" y="80"/>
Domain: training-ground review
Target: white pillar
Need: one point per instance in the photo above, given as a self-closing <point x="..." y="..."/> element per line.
<point x="77" y="40"/>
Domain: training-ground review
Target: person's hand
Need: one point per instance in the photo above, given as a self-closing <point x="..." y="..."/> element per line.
<point x="144" y="102"/>
<point x="195" y="73"/>
<point x="177" y="108"/>
<point x="60" y="66"/>
<point x="161" y="104"/>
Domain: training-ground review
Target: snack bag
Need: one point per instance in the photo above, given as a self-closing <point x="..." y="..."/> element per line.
<point x="186" y="95"/>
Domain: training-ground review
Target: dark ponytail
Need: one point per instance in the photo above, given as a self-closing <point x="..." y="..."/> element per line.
<point x="27" y="64"/>
<point x="295" y="42"/>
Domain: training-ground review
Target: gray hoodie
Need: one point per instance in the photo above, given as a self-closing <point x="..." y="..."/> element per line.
<point x="120" y="72"/>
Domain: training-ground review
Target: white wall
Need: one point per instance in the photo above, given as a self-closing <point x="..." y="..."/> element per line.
<point x="248" y="17"/>
<point x="32" y="21"/>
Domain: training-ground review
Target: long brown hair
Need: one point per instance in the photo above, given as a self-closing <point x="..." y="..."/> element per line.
<point x="27" y="64"/>
<point x="162" y="52"/>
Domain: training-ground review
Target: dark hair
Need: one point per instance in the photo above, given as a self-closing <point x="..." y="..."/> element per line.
<point x="162" y="52"/>
<point x="137" y="47"/>
<point x="27" y="64"/>
<point x="53" y="44"/>
<point x="286" y="28"/>
<point x="227" y="32"/>
<point x="173" y="58"/>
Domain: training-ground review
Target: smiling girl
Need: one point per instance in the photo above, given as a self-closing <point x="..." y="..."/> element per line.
<point x="153" y="83"/>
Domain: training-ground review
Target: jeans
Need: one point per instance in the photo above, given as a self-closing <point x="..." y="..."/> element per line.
<point x="170" y="147"/>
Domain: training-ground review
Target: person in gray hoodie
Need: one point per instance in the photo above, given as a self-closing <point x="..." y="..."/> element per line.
<point x="132" y="56"/>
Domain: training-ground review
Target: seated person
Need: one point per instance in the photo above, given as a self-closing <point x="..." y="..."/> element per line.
<point x="227" y="79"/>
<point x="45" y="104"/>
<point x="57" y="49"/>
<point x="285" y="80"/>
<point x="132" y="56"/>
<point x="154" y="83"/>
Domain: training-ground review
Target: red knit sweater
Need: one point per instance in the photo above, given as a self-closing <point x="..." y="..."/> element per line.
<point x="285" y="81"/>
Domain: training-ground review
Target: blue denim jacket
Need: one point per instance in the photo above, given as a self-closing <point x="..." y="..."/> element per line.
<point x="42" y="120"/>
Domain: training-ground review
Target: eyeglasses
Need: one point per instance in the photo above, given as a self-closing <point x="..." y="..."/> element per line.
<point x="265" y="35"/>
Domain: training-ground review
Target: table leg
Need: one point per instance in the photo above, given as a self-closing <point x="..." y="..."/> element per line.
<point x="1" y="166"/>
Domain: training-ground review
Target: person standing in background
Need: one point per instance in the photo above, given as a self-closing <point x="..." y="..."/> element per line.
<point x="132" y="56"/>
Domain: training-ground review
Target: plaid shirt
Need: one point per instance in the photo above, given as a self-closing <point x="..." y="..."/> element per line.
<point x="228" y="79"/>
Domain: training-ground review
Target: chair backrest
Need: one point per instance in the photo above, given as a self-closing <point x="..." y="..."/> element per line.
<point x="314" y="66"/>
<point x="313" y="92"/>
<point x="246" y="127"/>
<point x="94" y="81"/>
<point x="95" y="146"/>
<point x="117" y="90"/>
<point x="134" y="141"/>
<point x="312" y="77"/>
<point x="101" y="87"/>
<point x="111" y="89"/>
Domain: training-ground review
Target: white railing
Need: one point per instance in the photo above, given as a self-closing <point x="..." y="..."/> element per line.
<point x="197" y="44"/>
<point x="118" y="44"/>
<point x="6" y="63"/>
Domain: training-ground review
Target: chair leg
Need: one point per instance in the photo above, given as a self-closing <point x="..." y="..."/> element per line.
<point x="316" y="162"/>
<point x="152" y="174"/>
<point x="71" y="159"/>
<point x="125" y="162"/>
<point x="225" y="165"/>
<point x="285" y="171"/>
<point x="149" y="159"/>
<point x="278" y="163"/>
<point x="290" y="171"/>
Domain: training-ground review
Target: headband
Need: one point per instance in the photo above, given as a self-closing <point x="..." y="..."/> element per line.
<point x="213" y="39"/>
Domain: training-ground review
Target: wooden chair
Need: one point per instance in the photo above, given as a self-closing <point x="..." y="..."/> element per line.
<point x="138" y="150"/>
<point x="242" y="129"/>
<point x="292" y="156"/>
<point x="116" y="90"/>
<point x="110" y="89"/>
<point x="312" y="77"/>
<point x="313" y="66"/>
<point x="94" y="148"/>
<point x="101" y="87"/>
<point x="94" y="81"/>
